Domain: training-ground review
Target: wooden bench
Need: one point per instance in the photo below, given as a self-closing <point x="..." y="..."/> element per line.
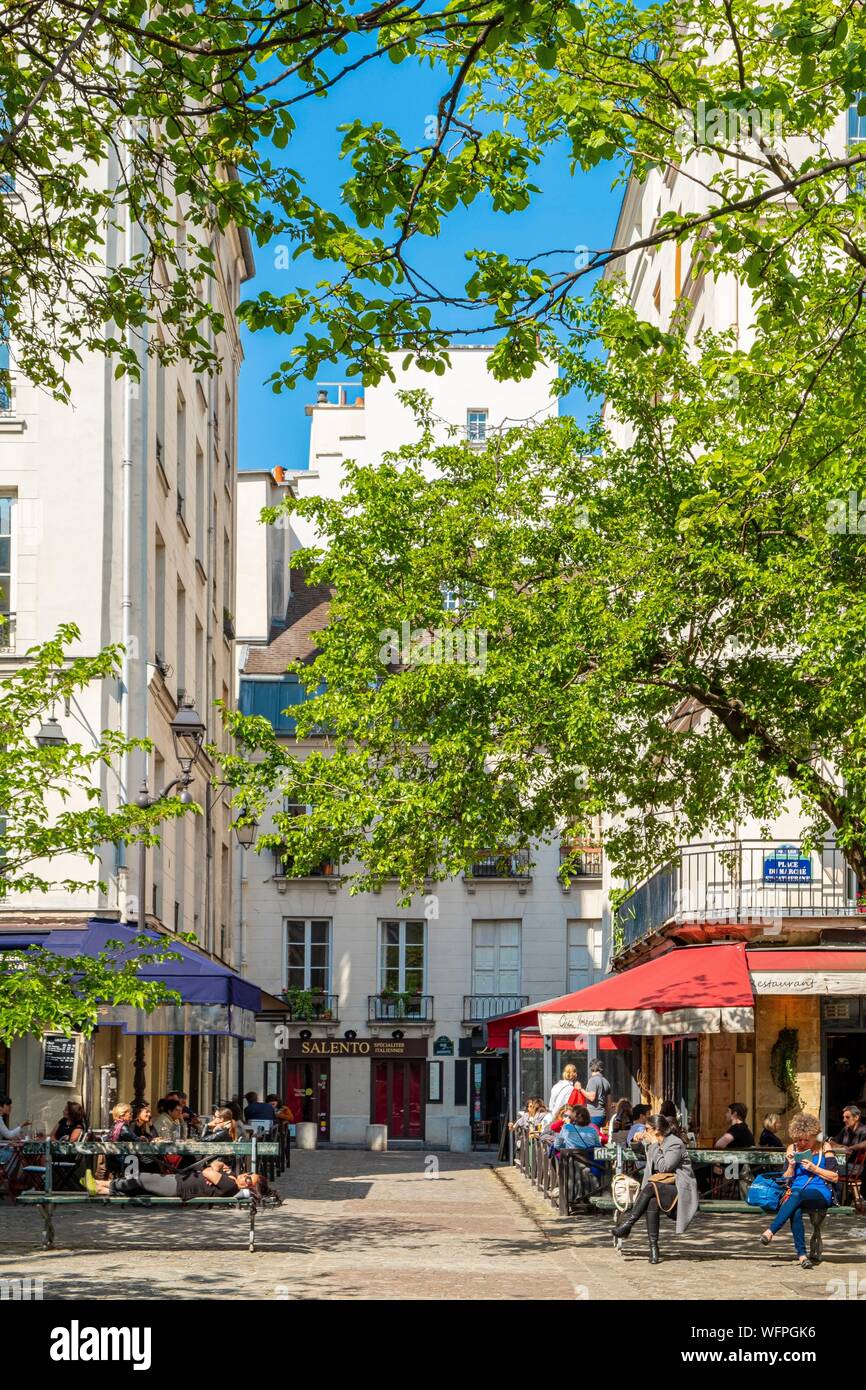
<point x="47" y="1200"/>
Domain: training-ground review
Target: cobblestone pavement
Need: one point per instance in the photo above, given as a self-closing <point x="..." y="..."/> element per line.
<point x="373" y="1226"/>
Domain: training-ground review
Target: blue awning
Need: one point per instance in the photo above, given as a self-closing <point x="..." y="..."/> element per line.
<point x="195" y="977"/>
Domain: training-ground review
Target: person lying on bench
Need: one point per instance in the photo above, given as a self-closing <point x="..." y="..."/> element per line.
<point x="211" y="1178"/>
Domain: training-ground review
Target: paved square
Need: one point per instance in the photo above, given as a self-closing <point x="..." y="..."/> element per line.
<point x="404" y="1225"/>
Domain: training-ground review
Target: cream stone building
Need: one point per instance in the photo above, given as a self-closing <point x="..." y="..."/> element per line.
<point x="118" y="513"/>
<point x="796" y="915"/>
<point x="388" y="1002"/>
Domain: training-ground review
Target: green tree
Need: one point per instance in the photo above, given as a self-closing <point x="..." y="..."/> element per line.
<point x="112" y="108"/>
<point x="41" y="991"/>
<point x="692" y="552"/>
<point x="54" y="827"/>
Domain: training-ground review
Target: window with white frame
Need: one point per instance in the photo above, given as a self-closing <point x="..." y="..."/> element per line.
<point x="579" y="962"/>
<point x="476" y="426"/>
<point x="496" y="957"/>
<point x="7" y="573"/>
<point x="401" y="956"/>
<point x="308" y="953"/>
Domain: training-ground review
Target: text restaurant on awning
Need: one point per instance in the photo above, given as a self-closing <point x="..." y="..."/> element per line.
<point x="216" y="1001"/>
<point x="691" y="989"/>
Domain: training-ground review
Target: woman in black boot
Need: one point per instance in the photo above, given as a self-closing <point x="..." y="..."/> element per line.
<point x="668" y="1186"/>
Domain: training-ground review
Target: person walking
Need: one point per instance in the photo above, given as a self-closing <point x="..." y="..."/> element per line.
<point x="668" y="1187"/>
<point x="811" y="1175"/>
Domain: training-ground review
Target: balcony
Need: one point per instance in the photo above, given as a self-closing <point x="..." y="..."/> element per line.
<point x="312" y="1006"/>
<point x="477" y="1008"/>
<point x="328" y="871"/>
<point x="579" y="859"/>
<point x="506" y="866"/>
<point x="399" y="1006"/>
<point x="744" y="882"/>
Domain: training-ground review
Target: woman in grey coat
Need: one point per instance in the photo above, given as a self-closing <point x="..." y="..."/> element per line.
<point x="666" y="1158"/>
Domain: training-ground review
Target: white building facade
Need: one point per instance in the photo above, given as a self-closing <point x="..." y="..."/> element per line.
<point x="117" y="513"/>
<point x="388" y="1001"/>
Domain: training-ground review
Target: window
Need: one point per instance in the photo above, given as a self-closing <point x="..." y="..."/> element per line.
<point x="6" y="405"/>
<point x="476" y="426"/>
<point x="450" y="599"/>
<point x="308" y="954"/>
<point x="180" y="642"/>
<point x="857" y="137"/>
<point x="159" y="599"/>
<point x="180" y="444"/>
<point x="401" y="957"/>
<point x="579" y="963"/>
<point x="681" y="1076"/>
<point x="160" y="415"/>
<point x="7" y="574"/>
<point x="495" y="957"/>
<point x="200" y="532"/>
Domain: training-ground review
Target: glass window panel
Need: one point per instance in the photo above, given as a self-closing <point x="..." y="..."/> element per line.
<point x="415" y="933"/>
<point x="296" y="957"/>
<point x="319" y="931"/>
<point x="392" y="933"/>
<point x="318" y="957"/>
<point x="296" y="931"/>
<point x="5" y="554"/>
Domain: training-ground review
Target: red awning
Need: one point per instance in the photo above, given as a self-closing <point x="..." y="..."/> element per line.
<point x="829" y="959"/>
<point x="704" y="989"/>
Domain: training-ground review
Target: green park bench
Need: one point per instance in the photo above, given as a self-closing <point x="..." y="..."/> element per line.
<point x="47" y="1199"/>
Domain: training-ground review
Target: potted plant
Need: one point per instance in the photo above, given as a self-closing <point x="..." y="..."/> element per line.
<point x="300" y="1002"/>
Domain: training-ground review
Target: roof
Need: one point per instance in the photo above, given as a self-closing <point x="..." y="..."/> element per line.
<point x="306" y="614"/>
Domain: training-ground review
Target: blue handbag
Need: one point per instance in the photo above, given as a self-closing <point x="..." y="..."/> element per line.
<point x="766" y="1191"/>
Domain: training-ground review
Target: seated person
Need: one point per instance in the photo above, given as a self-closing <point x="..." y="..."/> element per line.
<point x="737" y="1135"/>
<point x="638" y="1123"/>
<point x="143" y="1130"/>
<point x="208" y="1179"/>
<point x="579" y="1133"/>
<point x="121" y="1132"/>
<point x="222" y="1126"/>
<point x="169" y="1119"/>
<point x="852" y="1138"/>
<point x="72" y="1125"/>
<point x="769" y="1137"/>
<point x="256" y="1109"/>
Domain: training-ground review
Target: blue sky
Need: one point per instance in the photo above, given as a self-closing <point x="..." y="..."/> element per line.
<point x="572" y="210"/>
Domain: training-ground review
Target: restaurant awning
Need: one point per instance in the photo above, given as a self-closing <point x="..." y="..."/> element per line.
<point x="691" y="989"/>
<point x="831" y="970"/>
<point x="215" y="999"/>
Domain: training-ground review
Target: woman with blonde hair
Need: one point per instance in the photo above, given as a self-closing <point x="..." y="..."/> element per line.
<point x="811" y="1175"/>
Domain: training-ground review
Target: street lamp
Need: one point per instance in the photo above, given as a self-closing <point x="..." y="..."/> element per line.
<point x="246" y="833"/>
<point x="187" y="733"/>
<point x="51" y="735"/>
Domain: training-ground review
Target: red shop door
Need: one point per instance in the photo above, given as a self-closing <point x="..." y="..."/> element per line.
<point x="398" y="1098"/>
<point x="308" y="1094"/>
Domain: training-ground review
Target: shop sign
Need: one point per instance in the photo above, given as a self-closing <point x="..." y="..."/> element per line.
<point x="310" y="1048"/>
<point x="809" y="982"/>
<point x="787" y="865"/>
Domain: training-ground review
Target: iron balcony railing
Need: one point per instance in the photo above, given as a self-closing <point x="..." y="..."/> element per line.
<point x="401" y="1007"/>
<point x="583" y="861"/>
<point x="506" y="864"/>
<point x="745" y="881"/>
<point x="308" y="1006"/>
<point x="283" y="867"/>
<point x="477" y="1008"/>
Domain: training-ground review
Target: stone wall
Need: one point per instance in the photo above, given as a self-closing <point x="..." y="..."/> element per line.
<point x="771" y="1016"/>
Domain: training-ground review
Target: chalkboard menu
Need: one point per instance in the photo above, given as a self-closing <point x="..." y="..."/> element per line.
<point x="58" y="1059"/>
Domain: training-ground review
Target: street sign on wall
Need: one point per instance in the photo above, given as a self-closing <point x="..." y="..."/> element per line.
<point x="787" y="865"/>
